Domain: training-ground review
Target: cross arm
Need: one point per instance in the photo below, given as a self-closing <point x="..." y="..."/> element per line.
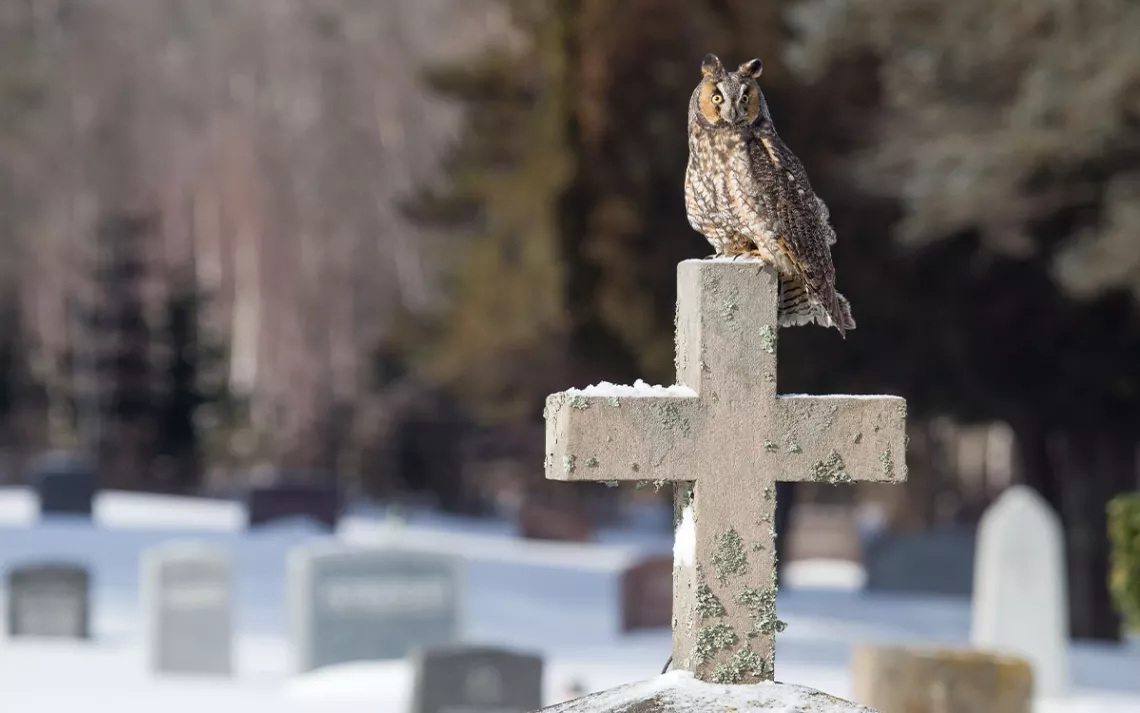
<point x="840" y="439"/>
<point x="599" y="436"/>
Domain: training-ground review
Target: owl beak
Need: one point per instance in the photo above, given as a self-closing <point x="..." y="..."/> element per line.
<point x="730" y="113"/>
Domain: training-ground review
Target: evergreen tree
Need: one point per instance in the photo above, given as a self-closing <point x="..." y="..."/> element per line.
<point x="194" y="398"/>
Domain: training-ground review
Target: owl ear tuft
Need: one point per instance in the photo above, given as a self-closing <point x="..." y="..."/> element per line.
<point x="711" y="66"/>
<point x="752" y="68"/>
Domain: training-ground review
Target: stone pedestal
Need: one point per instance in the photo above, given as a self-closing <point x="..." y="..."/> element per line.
<point x="680" y="692"/>
<point x="912" y="680"/>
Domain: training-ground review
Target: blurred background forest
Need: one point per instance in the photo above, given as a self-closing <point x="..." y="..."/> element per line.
<point x="360" y="241"/>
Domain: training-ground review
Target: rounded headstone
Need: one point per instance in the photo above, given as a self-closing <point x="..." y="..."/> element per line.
<point x="898" y="679"/>
<point x="680" y="692"/>
<point x="1020" y="602"/>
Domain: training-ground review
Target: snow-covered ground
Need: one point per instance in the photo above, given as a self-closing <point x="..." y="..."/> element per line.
<point x="557" y="599"/>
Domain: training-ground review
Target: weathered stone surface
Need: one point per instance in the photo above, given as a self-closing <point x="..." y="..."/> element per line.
<point x="1020" y="601"/>
<point x="724" y="427"/>
<point x="912" y="680"/>
<point x="680" y="692"/>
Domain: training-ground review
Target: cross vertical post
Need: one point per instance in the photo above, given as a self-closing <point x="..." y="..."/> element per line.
<point x="725" y="437"/>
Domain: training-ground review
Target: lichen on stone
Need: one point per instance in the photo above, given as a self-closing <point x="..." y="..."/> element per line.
<point x="762" y="605"/>
<point x="887" y="463"/>
<point x="711" y="639"/>
<point x="770" y="377"/>
<point x="708" y="606"/>
<point x="769" y="446"/>
<point x="636" y="468"/>
<point x="569" y="463"/>
<point x="832" y="470"/>
<point x="769" y="492"/>
<point x="757" y="546"/>
<point x="614" y="401"/>
<point x="768" y="339"/>
<point x="671" y="417"/>
<point x="547" y="461"/>
<point x="729" y="310"/>
<point x="728" y="555"/>
<point x="794" y="447"/>
<point x="592" y="462"/>
<point x="610" y="483"/>
<point x="579" y="402"/>
<point x="745" y="663"/>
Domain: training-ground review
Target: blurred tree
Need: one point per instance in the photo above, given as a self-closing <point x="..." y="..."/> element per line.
<point x="1006" y="139"/>
<point x="193" y="394"/>
<point x="109" y="355"/>
<point x="500" y="341"/>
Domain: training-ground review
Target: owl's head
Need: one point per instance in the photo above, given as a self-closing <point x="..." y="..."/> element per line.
<point x="724" y="98"/>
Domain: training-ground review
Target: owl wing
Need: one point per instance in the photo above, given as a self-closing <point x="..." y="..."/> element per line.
<point x="804" y="230"/>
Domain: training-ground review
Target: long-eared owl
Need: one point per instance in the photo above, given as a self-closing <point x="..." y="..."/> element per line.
<point x="748" y="194"/>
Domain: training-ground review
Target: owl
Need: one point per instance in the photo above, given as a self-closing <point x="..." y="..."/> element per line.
<point x="748" y="194"/>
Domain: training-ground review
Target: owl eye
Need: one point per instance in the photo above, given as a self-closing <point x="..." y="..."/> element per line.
<point x="717" y="99"/>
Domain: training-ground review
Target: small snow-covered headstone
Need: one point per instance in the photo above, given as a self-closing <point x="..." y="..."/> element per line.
<point x="187" y="599"/>
<point x="318" y="503"/>
<point x="353" y="604"/>
<point x="51" y="600"/>
<point x="65" y="483"/>
<point x="1020" y="603"/>
<point x="542" y="518"/>
<point x="647" y="594"/>
<point x="934" y="562"/>
<point x="476" y="680"/>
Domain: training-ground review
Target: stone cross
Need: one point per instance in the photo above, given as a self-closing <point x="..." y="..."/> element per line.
<point x="725" y="434"/>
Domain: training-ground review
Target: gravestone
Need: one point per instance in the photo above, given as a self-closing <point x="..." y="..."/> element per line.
<point x="50" y="600"/>
<point x="546" y="519"/>
<point x="939" y="561"/>
<point x="66" y="484"/>
<point x="1020" y="602"/>
<point x="913" y="679"/>
<point x="187" y="595"/>
<point x="729" y="437"/>
<point x="353" y="604"/>
<point x="647" y="595"/>
<point x="476" y="680"/>
<point x="318" y="502"/>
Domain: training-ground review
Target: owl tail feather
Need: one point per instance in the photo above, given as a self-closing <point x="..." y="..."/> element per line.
<point x="798" y="306"/>
<point x="841" y="315"/>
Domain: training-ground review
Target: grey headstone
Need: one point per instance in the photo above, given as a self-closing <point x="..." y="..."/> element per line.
<point x="187" y="596"/>
<point x="353" y="604"/>
<point x="935" y="562"/>
<point x="49" y="600"/>
<point x="476" y="680"/>
<point x="65" y="483"/>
